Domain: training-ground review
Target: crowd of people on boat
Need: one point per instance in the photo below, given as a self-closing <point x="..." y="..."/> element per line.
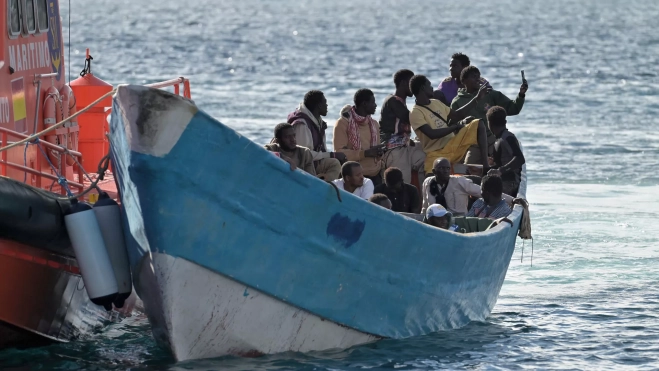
<point x="463" y="121"/>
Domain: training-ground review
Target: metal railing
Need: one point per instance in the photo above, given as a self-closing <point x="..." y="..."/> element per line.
<point x="35" y="167"/>
<point x="176" y="83"/>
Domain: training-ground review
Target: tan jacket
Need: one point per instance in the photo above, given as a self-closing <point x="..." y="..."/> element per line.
<point x="370" y="165"/>
<point x="302" y="157"/>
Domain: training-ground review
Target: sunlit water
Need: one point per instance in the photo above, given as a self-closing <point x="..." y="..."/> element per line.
<point x="590" y="298"/>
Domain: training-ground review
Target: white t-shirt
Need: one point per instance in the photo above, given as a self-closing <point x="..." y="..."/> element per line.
<point x="365" y="191"/>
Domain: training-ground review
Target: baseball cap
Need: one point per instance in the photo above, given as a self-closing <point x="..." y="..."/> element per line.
<point x="435" y="210"/>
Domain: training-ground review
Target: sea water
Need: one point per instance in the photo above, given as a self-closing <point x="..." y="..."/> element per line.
<point x="586" y="296"/>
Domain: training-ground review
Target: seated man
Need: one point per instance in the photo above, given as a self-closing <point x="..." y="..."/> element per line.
<point x="450" y="191"/>
<point x="404" y="197"/>
<point x="437" y="216"/>
<point x="357" y="135"/>
<point x="381" y="200"/>
<point x="508" y="157"/>
<point x="471" y="79"/>
<point x="491" y="205"/>
<point x="429" y="118"/>
<point x="284" y="143"/>
<point x="395" y="129"/>
<point x="353" y="180"/>
<point x="448" y="88"/>
<point x="310" y="132"/>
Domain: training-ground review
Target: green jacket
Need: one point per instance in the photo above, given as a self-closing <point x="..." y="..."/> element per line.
<point x="493" y="98"/>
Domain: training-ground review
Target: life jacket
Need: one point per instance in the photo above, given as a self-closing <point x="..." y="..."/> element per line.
<point x="317" y="134"/>
<point x="506" y="151"/>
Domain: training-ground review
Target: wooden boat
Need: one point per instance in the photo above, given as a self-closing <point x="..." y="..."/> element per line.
<point x="232" y="253"/>
<point x="42" y="295"/>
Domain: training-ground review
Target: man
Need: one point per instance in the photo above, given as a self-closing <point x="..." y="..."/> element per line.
<point x="310" y="132"/>
<point x="449" y="87"/>
<point x="452" y="192"/>
<point x="438" y="216"/>
<point x="357" y="135"/>
<point x="404" y="197"/>
<point x="285" y="144"/>
<point x="429" y="118"/>
<point x="471" y="79"/>
<point x="353" y="180"/>
<point x="395" y="129"/>
<point x="381" y="200"/>
<point x="508" y="157"/>
<point x="491" y="205"/>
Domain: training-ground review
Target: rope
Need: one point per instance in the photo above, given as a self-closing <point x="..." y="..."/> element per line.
<point x="61" y="180"/>
<point x="338" y="193"/>
<point x="59" y="124"/>
<point x="88" y="66"/>
<point x="69" y="69"/>
<point x="103" y="166"/>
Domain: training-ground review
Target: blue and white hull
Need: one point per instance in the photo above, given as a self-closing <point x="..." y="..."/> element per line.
<point x="232" y="253"/>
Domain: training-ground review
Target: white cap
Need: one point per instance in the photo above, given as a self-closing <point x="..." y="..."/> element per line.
<point x="435" y="210"/>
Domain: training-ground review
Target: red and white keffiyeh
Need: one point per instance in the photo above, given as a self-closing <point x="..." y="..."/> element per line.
<point x="353" y="129"/>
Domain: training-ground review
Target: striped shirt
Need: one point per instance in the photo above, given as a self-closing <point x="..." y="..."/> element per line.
<point x="481" y="210"/>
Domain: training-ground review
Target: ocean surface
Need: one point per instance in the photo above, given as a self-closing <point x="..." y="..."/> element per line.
<point x="586" y="297"/>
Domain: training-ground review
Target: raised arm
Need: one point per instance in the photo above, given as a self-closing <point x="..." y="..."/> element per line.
<point x="462" y="112"/>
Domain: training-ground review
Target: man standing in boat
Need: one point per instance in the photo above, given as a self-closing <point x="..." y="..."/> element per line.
<point x="285" y="144"/>
<point x="429" y="119"/>
<point x="471" y="79"/>
<point x="310" y="133"/>
<point x="357" y="135"/>
<point x="403" y="153"/>
<point x="450" y="85"/>
<point x="508" y="156"/>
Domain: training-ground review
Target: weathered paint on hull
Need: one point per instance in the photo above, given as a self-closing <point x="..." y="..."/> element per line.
<point x="209" y="315"/>
<point x="194" y="189"/>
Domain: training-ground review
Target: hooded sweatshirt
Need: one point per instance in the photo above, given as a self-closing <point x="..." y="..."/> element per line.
<point x="493" y="98"/>
<point x="301" y="120"/>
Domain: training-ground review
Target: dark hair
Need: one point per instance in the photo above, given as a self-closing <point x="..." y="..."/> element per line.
<point x="378" y="198"/>
<point x="313" y="98"/>
<point x="279" y="130"/>
<point x="392" y="176"/>
<point x="346" y="169"/>
<point x="468" y="71"/>
<point x="417" y="82"/>
<point x="401" y="75"/>
<point x="496" y="116"/>
<point x="362" y="96"/>
<point x="462" y="58"/>
<point x="492" y="184"/>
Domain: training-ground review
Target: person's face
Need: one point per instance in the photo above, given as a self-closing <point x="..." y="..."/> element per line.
<point x="288" y="141"/>
<point x="439" y="222"/>
<point x="323" y="107"/>
<point x="427" y="88"/>
<point x="406" y="86"/>
<point x="357" y="177"/>
<point x="398" y="186"/>
<point x="442" y="170"/>
<point x="487" y="196"/>
<point x="455" y="68"/>
<point x="370" y="106"/>
<point x="473" y="82"/>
